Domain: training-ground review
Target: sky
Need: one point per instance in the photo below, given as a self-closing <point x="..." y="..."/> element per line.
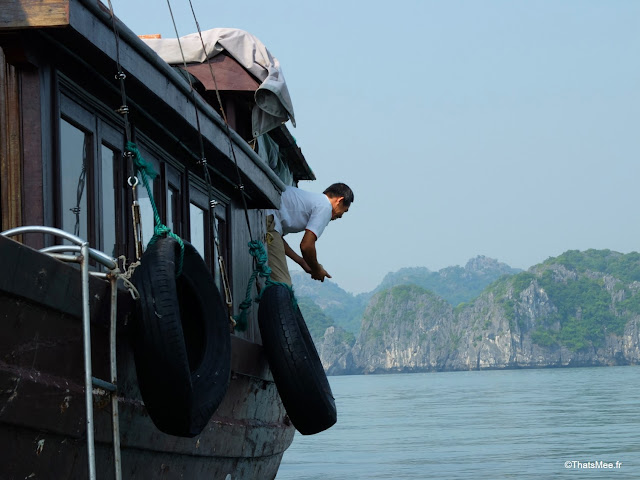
<point x="503" y="128"/>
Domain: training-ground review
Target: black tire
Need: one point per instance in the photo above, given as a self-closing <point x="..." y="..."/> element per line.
<point x="181" y="339"/>
<point x="295" y="364"/>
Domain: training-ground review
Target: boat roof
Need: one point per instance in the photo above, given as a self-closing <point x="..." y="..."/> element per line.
<point x="88" y="27"/>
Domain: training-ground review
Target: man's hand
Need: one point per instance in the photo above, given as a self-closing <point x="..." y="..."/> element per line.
<point x="320" y="273"/>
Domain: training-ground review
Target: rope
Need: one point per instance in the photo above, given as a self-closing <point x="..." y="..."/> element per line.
<point x="240" y="324"/>
<point x="126" y="276"/>
<point x="124" y="111"/>
<point x="256" y="248"/>
<point x="146" y="171"/>
<point x="213" y="227"/>
<point x="257" y="251"/>
<point x="120" y="76"/>
<point x="240" y="185"/>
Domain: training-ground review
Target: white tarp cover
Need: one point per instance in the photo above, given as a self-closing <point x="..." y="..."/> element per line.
<point x="273" y="103"/>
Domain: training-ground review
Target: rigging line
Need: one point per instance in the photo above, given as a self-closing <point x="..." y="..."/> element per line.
<point x="203" y="160"/>
<point x="80" y="190"/>
<point x="228" y="130"/>
<point x="256" y="248"/>
<point x="213" y="226"/>
<point x="124" y="111"/>
<point x="206" y="56"/>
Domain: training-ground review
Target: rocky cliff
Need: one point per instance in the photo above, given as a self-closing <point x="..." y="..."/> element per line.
<point x="580" y="309"/>
<point x="455" y="284"/>
<point x="344" y="308"/>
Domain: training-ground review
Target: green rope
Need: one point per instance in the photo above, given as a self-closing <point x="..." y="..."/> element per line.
<point x="146" y="171"/>
<point x="256" y="249"/>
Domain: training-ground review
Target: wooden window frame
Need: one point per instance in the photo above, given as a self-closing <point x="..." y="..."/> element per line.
<point x="199" y="196"/>
<point x="101" y="133"/>
<point x="87" y="113"/>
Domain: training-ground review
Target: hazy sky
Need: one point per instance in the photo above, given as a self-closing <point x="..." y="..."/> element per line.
<point x="507" y="128"/>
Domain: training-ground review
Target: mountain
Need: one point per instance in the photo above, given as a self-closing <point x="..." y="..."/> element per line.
<point x="454" y="284"/>
<point x="344" y="310"/>
<point x="327" y="310"/>
<point x="578" y="309"/>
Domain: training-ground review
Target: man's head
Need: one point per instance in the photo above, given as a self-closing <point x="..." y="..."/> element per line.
<point x="341" y="198"/>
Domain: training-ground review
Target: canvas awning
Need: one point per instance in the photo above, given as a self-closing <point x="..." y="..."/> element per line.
<point x="273" y="105"/>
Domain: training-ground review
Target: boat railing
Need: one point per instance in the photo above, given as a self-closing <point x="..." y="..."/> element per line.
<point x="80" y="252"/>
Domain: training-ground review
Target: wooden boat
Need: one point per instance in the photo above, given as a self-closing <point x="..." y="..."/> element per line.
<point x="62" y="141"/>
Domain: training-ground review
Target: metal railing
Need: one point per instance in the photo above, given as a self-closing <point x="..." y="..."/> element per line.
<point x="79" y="252"/>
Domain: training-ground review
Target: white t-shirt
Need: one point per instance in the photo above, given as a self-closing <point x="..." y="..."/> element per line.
<point x="301" y="210"/>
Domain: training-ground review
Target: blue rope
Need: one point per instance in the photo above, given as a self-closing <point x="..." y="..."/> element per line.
<point x="146" y="171"/>
<point x="256" y="249"/>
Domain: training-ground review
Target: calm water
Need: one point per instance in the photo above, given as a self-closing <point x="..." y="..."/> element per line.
<point x="522" y="424"/>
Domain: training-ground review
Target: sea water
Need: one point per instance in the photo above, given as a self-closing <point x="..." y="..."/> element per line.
<point x="572" y="423"/>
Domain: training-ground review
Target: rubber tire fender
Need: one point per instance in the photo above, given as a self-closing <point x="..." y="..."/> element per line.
<point x="181" y="339"/>
<point x="294" y="362"/>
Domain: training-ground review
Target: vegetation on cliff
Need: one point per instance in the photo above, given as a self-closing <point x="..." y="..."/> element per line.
<point x="455" y="284"/>
<point x="594" y="296"/>
<point x="625" y="268"/>
<point x="344" y="310"/>
<point x="318" y="322"/>
<point x="580" y="308"/>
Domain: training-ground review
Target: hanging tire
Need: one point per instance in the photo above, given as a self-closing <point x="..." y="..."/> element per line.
<point x="181" y="339"/>
<point x="294" y="362"/>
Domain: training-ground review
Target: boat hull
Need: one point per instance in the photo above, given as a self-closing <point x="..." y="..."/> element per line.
<point x="42" y="402"/>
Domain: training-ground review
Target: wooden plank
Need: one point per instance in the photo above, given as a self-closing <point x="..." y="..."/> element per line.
<point x="240" y="264"/>
<point x="10" y="156"/>
<point x="54" y="285"/>
<point x="229" y="75"/>
<point x="32" y="165"/>
<point x="33" y="13"/>
<point x="248" y="358"/>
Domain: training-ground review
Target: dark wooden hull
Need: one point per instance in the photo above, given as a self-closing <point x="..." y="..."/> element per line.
<point x="42" y="412"/>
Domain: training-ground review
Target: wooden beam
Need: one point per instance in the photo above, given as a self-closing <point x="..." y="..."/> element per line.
<point x="31" y="144"/>
<point x="16" y="14"/>
<point x="10" y="151"/>
<point x="229" y="75"/>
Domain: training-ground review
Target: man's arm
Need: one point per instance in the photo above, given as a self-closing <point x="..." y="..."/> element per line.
<point x="289" y="252"/>
<point x="308" y="249"/>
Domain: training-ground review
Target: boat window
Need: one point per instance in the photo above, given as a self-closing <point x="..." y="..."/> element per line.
<point x="198" y="228"/>
<point x="90" y="191"/>
<point x="221" y="232"/>
<point x="201" y="234"/>
<point x="173" y="181"/>
<point x="95" y="198"/>
<point x="216" y="253"/>
<point x="172" y="220"/>
<point x="147" y="219"/>
<point x="75" y="148"/>
<point x="109" y="207"/>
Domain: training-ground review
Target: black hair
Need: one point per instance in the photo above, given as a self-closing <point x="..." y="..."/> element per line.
<point x="340" y="190"/>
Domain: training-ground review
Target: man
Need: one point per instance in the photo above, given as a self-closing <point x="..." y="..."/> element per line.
<point x="303" y="211"/>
